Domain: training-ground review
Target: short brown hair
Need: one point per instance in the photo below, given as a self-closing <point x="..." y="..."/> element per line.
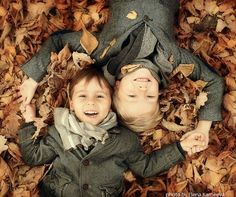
<point x="88" y="73"/>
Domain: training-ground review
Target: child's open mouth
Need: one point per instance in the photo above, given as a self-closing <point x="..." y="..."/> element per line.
<point x="142" y="79"/>
<point x="91" y="113"/>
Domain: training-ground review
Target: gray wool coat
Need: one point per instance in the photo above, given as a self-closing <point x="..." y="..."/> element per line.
<point x="97" y="173"/>
<point x="158" y="16"/>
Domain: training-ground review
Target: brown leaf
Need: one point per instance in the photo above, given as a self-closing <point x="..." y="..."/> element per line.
<point x="230" y="102"/>
<point x="14" y="151"/>
<point x="180" y="186"/>
<point x="88" y="41"/>
<point x="185" y="69"/>
<point x="173" y="126"/>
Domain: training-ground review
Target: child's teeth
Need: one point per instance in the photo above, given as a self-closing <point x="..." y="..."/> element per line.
<point x="90" y="113"/>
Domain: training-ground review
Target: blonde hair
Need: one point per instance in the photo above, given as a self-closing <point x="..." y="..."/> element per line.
<point x="136" y="124"/>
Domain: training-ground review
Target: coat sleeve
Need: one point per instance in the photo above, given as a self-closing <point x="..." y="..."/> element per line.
<point x="36" y="152"/>
<point x="36" y="67"/>
<point x="215" y="85"/>
<point x="147" y="165"/>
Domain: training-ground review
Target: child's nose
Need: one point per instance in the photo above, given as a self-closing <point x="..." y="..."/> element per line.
<point x="90" y="102"/>
<point x="141" y="85"/>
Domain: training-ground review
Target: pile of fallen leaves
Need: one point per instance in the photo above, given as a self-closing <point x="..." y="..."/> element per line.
<point x="205" y="27"/>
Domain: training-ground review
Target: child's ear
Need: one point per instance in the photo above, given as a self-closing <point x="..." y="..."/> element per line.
<point x="117" y="85"/>
<point x="71" y="105"/>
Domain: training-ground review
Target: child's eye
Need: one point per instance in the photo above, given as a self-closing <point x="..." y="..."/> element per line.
<point x="100" y="96"/>
<point x="149" y="96"/>
<point x="131" y="95"/>
<point x="82" y="96"/>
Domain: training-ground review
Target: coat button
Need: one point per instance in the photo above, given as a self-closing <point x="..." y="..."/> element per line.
<point x="85" y="162"/>
<point x="146" y="18"/>
<point x="85" y="186"/>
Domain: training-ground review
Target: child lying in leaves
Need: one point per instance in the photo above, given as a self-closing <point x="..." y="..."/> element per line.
<point x="89" y="149"/>
<point x="148" y="44"/>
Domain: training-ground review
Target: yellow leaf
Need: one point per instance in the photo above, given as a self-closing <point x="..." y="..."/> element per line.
<point x="201" y="99"/>
<point x="193" y="19"/>
<point x="200" y="84"/>
<point x="107" y="48"/>
<point x="132" y="15"/>
<point x="1" y="114"/>
<point x="211" y="7"/>
<point x="220" y="25"/>
<point x="158" y="134"/>
<point x="3" y="145"/>
<point x="128" y="175"/>
<point x="197" y="177"/>
<point x="88" y="41"/>
<point x="189" y="171"/>
<point x="3" y="11"/>
<point x="213" y="164"/>
<point x="6" y="31"/>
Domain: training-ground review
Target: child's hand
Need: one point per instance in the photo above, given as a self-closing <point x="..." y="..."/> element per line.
<point x="27" y="90"/>
<point x="28" y="112"/>
<point x="193" y="142"/>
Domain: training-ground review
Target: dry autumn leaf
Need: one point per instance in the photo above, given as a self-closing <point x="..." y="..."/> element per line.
<point x="132" y="15"/>
<point x="3" y="145"/>
<point x="88" y="41"/>
<point x="173" y="126"/>
<point x="82" y="60"/>
<point x="201" y="99"/>
<point x="185" y="69"/>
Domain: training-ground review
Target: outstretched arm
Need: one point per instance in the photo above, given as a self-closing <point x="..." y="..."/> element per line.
<point x="39" y="151"/>
<point x="211" y="111"/>
<point x="36" y="67"/>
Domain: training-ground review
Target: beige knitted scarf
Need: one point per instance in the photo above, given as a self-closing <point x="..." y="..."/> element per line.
<point x="73" y="132"/>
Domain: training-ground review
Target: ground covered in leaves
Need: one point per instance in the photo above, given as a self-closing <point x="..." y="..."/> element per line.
<point x="205" y="27"/>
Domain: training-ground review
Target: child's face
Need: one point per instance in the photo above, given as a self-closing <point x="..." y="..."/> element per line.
<point x="90" y="101"/>
<point x="138" y="93"/>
